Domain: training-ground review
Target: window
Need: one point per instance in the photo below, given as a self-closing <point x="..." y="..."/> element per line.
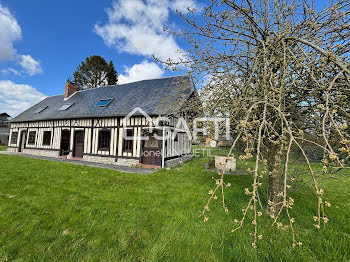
<point x="104" y="140"/>
<point x="128" y="140"/>
<point x="104" y="102"/>
<point x="31" y="138"/>
<point x="39" y="110"/>
<point x="14" y="138"/>
<point x="79" y="137"/>
<point x="65" y="107"/>
<point x="47" y="138"/>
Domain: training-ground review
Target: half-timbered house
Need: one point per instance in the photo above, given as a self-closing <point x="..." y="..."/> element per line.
<point x="110" y="124"/>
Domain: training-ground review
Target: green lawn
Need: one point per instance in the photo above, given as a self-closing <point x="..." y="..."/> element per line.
<point x="51" y="211"/>
<point x="3" y="148"/>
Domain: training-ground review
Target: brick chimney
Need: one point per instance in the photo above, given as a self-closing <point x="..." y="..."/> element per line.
<point x="70" y="89"/>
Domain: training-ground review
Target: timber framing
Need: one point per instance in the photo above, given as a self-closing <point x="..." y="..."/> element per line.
<point x="78" y="137"/>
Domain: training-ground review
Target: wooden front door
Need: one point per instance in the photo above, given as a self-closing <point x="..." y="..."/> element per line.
<point x="78" y="144"/>
<point x="65" y="141"/>
<point x="151" y="153"/>
<point x="23" y="140"/>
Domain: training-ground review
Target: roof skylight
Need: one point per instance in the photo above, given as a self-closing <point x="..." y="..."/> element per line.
<point x="104" y="102"/>
<point x="39" y="110"/>
<point x="65" y="107"/>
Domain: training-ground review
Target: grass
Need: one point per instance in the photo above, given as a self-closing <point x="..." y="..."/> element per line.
<point x="51" y="211"/>
<point x="3" y="148"/>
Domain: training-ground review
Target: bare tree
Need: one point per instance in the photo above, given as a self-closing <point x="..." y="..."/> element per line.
<point x="288" y="66"/>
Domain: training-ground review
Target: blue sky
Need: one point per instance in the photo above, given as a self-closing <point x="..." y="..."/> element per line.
<point x="42" y="43"/>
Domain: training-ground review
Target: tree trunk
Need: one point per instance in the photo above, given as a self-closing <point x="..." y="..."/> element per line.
<point x="275" y="183"/>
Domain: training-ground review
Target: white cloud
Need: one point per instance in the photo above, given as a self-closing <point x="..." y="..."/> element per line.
<point x="136" y="27"/>
<point x="30" y="65"/>
<point x="16" y="98"/>
<point x="10" y="70"/>
<point x="182" y="5"/>
<point x="145" y="70"/>
<point x="10" y="32"/>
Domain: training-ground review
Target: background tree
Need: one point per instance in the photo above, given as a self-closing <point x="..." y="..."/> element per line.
<point x="287" y="67"/>
<point x="94" y="72"/>
<point x="112" y="74"/>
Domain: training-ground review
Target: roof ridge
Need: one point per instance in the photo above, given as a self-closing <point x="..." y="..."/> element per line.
<point x="115" y="85"/>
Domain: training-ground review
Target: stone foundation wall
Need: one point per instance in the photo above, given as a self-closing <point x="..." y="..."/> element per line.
<point x="111" y="160"/>
<point x="127" y="162"/>
<point x="177" y="161"/>
<point x="104" y="160"/>
<point x="48" y="153"/>
<point x="12" y="149"/>
<point x="99" y="159"/>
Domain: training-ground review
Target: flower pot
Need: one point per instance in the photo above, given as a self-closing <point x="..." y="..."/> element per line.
<point x="225" y="164"/>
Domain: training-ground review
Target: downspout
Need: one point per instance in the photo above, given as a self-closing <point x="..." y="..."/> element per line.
<point x="163" y="147"/>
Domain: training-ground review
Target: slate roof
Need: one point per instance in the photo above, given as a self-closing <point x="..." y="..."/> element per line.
<point x="5" y="114"/>
<point x="161" y="96"/>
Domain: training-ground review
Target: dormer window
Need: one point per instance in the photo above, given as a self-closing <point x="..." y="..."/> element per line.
<point x="65" y="107"/>
<point x="39" y="110"/>
<point x="104" y="102"/>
